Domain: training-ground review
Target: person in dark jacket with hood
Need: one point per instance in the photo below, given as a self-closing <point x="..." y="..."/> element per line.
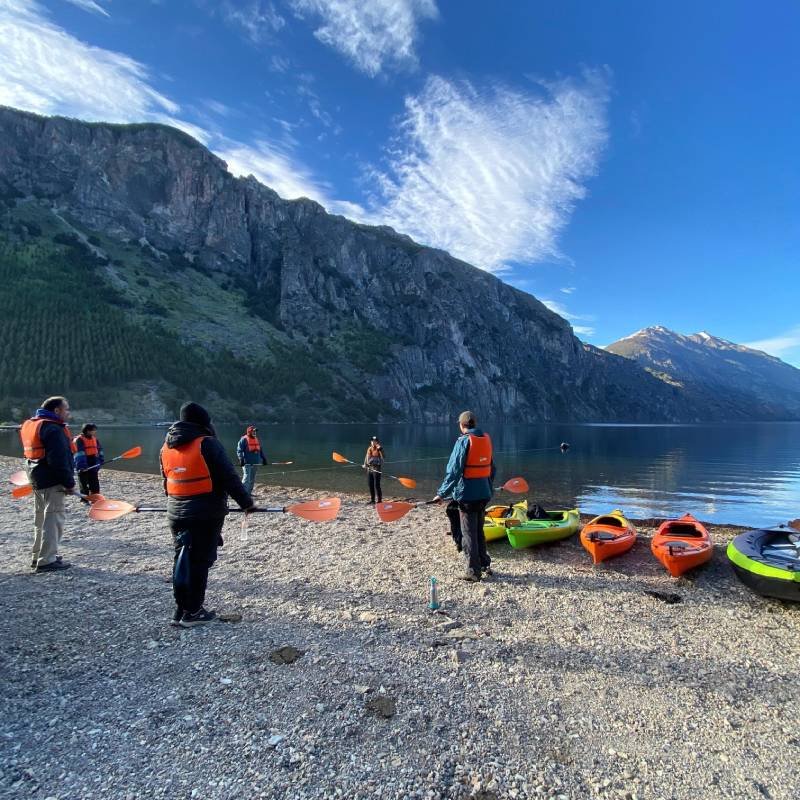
<point x="250" y="455"/>
<point x="469" y="482"/>
<point x="47" y="447"/>
<point x="198" y="477"/>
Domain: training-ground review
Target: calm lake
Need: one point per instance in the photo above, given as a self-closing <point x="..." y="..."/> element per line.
<point x="747" y="474"/>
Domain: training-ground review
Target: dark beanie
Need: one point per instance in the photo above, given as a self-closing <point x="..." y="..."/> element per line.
<point x="193" y="412"/>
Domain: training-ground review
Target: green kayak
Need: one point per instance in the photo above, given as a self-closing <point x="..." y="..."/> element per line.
<point x="559" y="525"/>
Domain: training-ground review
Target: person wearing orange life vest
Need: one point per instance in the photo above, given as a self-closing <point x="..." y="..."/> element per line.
<point x="48" y="449"/>
<point x="198" y="478"/>
<point x="88" y="458"/>
<point x="469" y="482"/>
<point x="250" y="456"/>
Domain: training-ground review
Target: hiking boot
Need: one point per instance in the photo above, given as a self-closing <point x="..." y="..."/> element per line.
<point x="53" y="566"/>
<point x="201" y="617"/>
<point x="469" y="576"/>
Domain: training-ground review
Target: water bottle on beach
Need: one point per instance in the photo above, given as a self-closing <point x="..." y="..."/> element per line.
<point x="433" y="594"/>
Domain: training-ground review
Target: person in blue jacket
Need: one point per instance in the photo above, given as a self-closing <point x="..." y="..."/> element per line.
<point x="469" y="482"/>
<point x="88" y="458"/>
<point x="250" y="456"/>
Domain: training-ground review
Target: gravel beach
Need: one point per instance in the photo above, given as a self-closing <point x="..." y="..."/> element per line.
<point x="554" y="679"/>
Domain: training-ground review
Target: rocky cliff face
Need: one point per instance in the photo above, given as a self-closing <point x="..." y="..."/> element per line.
<point x="737" y="382"/>
<point x="440" y="334"/>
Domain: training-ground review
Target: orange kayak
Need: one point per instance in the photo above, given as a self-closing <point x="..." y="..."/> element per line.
<point x="682" y="544"/>
<point x="607" y="536"/>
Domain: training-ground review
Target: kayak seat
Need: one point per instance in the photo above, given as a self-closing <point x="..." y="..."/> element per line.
<point x="611" y="522"/>
<point x="678" y="545"/>
<point x="682" y="529"/>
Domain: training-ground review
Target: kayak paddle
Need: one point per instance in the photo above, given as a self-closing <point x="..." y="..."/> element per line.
<point x="25" y="491"/>
<point x="315" y="510"/>
<point x="409" y="483"/>
<point x="19" y="478"/>
<point x="515" y="486"/>
<point x="134" y="452"/>
<point x="391" y="512"/>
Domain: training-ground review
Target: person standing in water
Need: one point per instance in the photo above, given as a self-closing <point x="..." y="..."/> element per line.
<point x="373" y="464"/>
<point x="468" y="481"/>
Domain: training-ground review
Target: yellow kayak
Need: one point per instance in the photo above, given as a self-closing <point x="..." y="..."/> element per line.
<point x="494" y="526"/>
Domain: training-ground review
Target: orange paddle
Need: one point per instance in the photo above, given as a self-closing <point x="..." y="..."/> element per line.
<point x="24" y="491"/>
<point x="315" y="510"/>
<point x="391" y="512"/>
<point x="134" y="452"/>
<point x="19" y="478"/>
<point x="409" y="483"/>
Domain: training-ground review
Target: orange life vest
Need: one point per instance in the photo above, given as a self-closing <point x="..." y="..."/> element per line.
<point x="186" y="470"/>
<point x="253" y="445"/>
<point x="89" y="445"/>
<point x="32" y="447"/>
<point x="479" y="457"/>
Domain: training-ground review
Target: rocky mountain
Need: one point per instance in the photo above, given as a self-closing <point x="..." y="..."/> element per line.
<point x="743" y="383"/>
<point x="138" y="271"/>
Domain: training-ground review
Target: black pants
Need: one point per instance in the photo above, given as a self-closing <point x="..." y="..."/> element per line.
<point x="374" y="479"/>
<point x="202" y="540"/>
<point x="89" y="481"/>
<point x="454" y="516"/>
<point x="473" y="542"/>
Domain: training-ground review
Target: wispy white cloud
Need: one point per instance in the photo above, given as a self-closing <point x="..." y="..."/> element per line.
<point x="258" y="19"/>
<point x="91" y="6"/>
<point x="568" y="289"/>
<point x="562" y="311"/>
<point x="492" y="176"/>
<point x="370" y="33"/>
<point x="784" y="345"/>
<point x="45" y="69"/>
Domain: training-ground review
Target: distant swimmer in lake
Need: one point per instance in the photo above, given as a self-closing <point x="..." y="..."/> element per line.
<point x="88" y="459"/>
<point x="48" y="448"/>
<point x="250" y="456"/>
<point x="469" y="482"/>
<point x="373" y="464"/>
<point x="198" y="477"/>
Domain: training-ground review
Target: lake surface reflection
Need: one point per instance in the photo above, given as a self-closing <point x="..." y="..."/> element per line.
<point x="747" y="474"/>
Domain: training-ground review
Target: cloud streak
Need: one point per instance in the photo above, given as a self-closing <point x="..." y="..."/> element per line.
<point x="781" y="345"/>
<point x="91" y="6"/>
<point x="492" y="176"/>
<point x="562" y="311"/>
<point x="372" y="34"/>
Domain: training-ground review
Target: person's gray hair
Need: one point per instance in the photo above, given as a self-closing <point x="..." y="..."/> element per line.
<point x="467" y="419"/>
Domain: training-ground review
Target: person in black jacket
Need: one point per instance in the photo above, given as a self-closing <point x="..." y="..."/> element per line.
<point x="47" y="447"/>
<point x="198" y="477"/>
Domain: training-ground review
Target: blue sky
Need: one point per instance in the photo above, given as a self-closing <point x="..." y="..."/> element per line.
<point x="629" y="163"/>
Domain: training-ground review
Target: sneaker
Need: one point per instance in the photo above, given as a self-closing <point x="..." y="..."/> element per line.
<point x="35" y="561"/>
<point x="370" y="502"/>
<point x="487" y="572"/>
<point x="469" y="576"/>
<point x="53" y="566"/>
<point x="201" y="617"/>
<point x="177" y="615"/>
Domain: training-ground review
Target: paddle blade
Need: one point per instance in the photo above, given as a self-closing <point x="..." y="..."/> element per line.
<point x="95" y="498"/>
<point x="19" y="478"/>
<point x="317" y="510"/>
<point x="390" y="512"/>
<point x="134" y="452"/>
<point x="516" y="486"/>
<point x="409" y="483"/>
<point x="110" y="509"/>
<point x="21" y="491"/>
<point x="338" y="457"/>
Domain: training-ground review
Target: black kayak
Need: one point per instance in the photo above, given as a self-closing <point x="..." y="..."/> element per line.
<point x="768" y="562"/>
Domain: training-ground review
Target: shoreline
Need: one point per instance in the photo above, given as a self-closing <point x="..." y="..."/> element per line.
<point x="555" y="679"/>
